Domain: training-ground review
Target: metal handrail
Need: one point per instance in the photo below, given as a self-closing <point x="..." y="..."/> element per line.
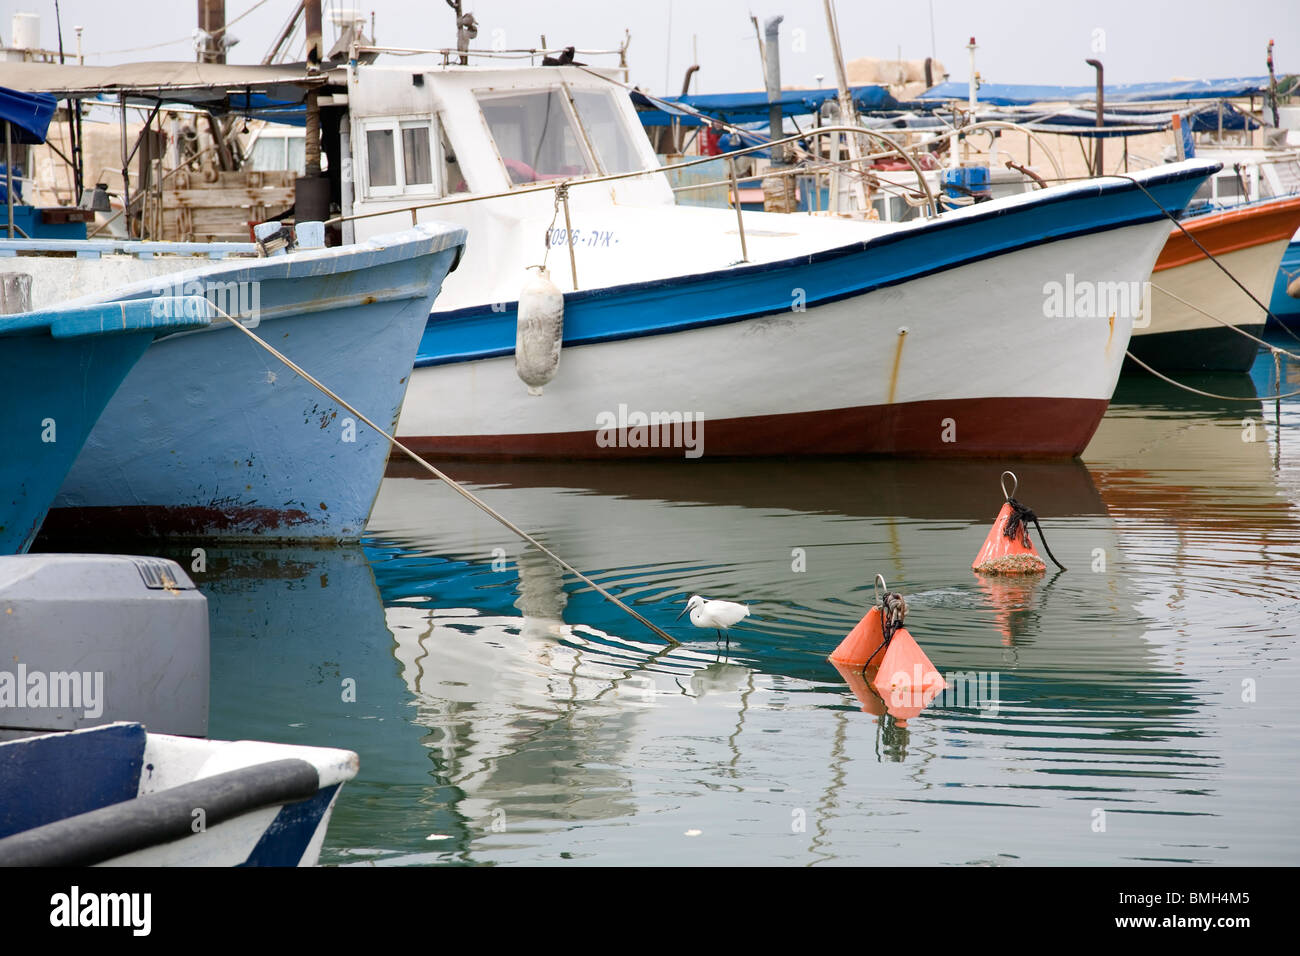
<point x="1001" y="124"/>
<point x="513" y="54"/>
<point x="613" y="177"/>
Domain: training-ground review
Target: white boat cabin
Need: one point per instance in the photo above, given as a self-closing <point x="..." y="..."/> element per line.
<point x="422" y="134"/>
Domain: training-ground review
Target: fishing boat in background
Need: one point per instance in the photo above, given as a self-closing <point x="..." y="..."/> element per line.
<point x="787" y="335"/>
<point x="1285" y="301"/>
<point x="1197" y="312"/>
<point x="59" y="369"/>
<point x="116" y="795"/>
<point x="1251" y="176"/>
<point x="1247" y="215"/>
<point x="210" y="436"/>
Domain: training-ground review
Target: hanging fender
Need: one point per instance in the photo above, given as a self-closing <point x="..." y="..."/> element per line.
<point x="539" y="330"/>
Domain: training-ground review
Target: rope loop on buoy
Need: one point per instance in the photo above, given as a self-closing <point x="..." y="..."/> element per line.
<point x="1018" y="523"/>
<point x="893" y="609"/>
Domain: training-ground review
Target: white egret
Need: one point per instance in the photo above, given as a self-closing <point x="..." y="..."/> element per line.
<point x="718" y="615"/>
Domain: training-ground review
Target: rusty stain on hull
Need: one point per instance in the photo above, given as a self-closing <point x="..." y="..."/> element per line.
<point x="893" y="372"/>
<point x="158" y="521"/>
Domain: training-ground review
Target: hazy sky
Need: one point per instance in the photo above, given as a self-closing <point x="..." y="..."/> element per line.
<point x="1020" y="41"/>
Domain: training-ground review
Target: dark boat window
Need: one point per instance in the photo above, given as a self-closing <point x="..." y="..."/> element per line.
<point x="379" y="150"/>
<point x="416" y="160"/>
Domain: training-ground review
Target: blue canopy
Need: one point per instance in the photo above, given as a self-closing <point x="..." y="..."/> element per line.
<point x="30" y="114"/>
<point x="1019" y="94"/>
<point x="1128" y="122"/>
<point x="753" y="107"/>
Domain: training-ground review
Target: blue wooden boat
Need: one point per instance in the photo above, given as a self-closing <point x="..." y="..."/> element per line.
<point x="1286" y="308"/>
<point x="210" y="436"/>
<point x="117" y="795"/>
<point x="59" y="368"/>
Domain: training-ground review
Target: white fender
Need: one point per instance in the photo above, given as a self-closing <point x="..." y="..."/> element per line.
<point x="539" y="330"/>
<point x="1293" y="289"/>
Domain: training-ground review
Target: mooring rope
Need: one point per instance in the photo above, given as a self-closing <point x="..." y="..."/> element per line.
<point x="1197" y="391"/>
<point x="1224" y="322"/>
<point x="1018" y="523"/>
<point x="447" y="479"/>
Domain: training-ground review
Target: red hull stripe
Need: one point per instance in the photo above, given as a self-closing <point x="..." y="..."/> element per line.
<point x="980" y="428"/>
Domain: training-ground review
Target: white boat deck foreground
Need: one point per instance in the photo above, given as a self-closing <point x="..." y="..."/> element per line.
<point x="140" y="799"/>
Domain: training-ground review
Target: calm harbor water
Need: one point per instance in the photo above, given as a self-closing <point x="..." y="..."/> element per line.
<point x="1135" y="709"/>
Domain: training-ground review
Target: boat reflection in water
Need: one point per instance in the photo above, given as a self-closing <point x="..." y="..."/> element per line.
<point x="301" y="653"/>
<point x="504" y="713"/>
<point x="551" y="709"/>
<point x="1204" y="492"/>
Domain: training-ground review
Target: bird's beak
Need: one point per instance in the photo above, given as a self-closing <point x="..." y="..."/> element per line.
<point x="684" y="610"/>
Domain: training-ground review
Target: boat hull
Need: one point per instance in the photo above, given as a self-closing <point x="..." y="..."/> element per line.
<point x="941" y="339"/>
<point x="58" y="372"/>
<point x="960" y="363"/>
<point x="209" y="437"/>
<point x="1286" y="308"/>
<point x="1249" y="242"/>
<point x="34" y="388"/>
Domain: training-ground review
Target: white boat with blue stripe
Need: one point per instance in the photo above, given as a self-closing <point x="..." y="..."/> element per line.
<point x="777" y="334"/>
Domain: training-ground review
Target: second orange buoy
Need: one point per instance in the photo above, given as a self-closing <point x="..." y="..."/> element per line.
<point x="1012" y="553"/>
<point x="896" y="667"/>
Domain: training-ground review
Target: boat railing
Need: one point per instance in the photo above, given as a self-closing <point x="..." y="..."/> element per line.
<point x="562" y="187"/>
<point x="138" y="248"/>
<point x="450" y="53"/>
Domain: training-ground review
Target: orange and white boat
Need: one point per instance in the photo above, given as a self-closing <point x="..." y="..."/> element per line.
<point x="1191" y="298"/>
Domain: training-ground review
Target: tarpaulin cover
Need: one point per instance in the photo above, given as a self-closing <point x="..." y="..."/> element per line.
<point x="271" y="92"/>
<point x="28" y="112"/>
<point x="1023" y="94"/>
<point x="752" y="107"/>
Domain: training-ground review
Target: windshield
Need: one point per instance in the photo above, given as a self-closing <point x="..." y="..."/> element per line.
<point x="605" y="129"/>
<point x="535" y="136"/>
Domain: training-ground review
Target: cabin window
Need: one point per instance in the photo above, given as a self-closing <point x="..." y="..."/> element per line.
<point x="379" y="151"/>
<point x="417" y="163"/>
<point x="390" y="173"/>
<point x="1288" y="176"/>
<point x="1229" y="188"/>
<point x="272" y="152"/>
<point x="600" y="117"/>
<point x="535" y="135"/>
<point x="452" y="178"/>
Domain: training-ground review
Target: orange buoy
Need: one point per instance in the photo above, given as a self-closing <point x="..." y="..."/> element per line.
<point x="906" y="680"/>
<point x="1014" y="553"/>
<point x="891" y="674"/>
<point x="856" y="649"/>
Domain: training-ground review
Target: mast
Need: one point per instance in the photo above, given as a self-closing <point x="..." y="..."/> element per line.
<point x="848" y="113"/>
<point x="212" y="21"/>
